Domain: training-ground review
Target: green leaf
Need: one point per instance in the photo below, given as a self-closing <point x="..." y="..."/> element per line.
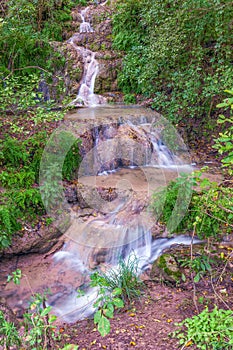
<point x="117" y="291"/>
<point x="45" y="311"/>
<point x="118" y="302"/>
<point x="104" y="326"/>
<point x="197" y="278"/>
<point x="97" y="316"/>
<point x="108" y="313"/>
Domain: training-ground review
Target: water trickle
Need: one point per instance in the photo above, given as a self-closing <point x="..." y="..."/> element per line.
<point x="85" y="27"/>
<point x="86" y="95"/>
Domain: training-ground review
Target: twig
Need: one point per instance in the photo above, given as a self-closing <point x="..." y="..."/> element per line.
<point x="217" y="295"/>
<point x="224" y="268"/>
<point x="191" y="259"/>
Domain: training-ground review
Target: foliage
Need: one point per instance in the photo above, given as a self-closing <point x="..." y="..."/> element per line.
<point x="116" y="286"/>
<point x="8" y="224"/>
<point x="170" y="204"/>
<point x="9" y="334"/>
<point x="199" y="264"/>
<point x="125" y="277"/>
<point x="16" y="276"/>
<point x="27" y="30"/>
<point x="178" y="53"/>
<point x="224" y="143"/>
<point x="208" y="330"/>
<point x="106" y="305"/>
<point x="39" y="328"/>
<point x="209" y="212"/>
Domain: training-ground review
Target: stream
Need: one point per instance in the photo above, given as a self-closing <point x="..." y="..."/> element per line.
<point x="128" y="153"/>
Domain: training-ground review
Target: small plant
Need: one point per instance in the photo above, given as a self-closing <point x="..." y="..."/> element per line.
<point x="106" y="302"/>
<point x="207" y="330"/>
<point x="116" y="286"/>
<point x="16" y="276"/>
<point x="39" y="328"/>
<point x="125" y="277"/>
<point x="200" y="265"/>
<point x="106" y="305"/>
<point x="9" y="335"/>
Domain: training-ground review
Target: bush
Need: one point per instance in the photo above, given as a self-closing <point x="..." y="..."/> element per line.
<point x="176" y="52"/>
<point x="224" y="143"/>
<point x="208" y="213"/>
<point x="208" y="330"/>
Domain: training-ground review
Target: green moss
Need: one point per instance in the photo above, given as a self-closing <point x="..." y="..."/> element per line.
<point x="167" y="263"/>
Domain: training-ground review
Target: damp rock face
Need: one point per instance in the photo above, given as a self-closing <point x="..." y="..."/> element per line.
<point x="97" y="38"/>
<point x="38" y="240"/>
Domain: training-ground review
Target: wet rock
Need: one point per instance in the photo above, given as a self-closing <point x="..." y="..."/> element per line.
<point x="39" y="240"/>
<point x="71" y="194"/>
<point x="98" y="40"/>
<point x="166" y="269"/>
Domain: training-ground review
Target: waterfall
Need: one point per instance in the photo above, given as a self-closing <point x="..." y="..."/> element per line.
<point x="85" y="27"/>
<point x="123" y="225"/>
<point x="86" y="95"/>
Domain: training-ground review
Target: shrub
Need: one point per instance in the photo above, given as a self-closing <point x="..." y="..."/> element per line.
<point x="207" y="330"/>
<point x="209" y="211"/>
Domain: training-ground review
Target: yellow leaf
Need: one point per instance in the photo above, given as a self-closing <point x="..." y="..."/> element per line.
<point x="93" y="342"/>
<point x="132" y="343"/>
<point x="188" y="343"/>
<point x="33" y="306"/>
<point x="156" y="320"/>
<point x="132" y="314"/>
<point x="169" y="320"/>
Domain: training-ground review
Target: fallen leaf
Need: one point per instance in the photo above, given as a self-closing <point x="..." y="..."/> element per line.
<point x="132" y="343"/>
<point x="188" y="343"/>
<point x="169" y="320"/>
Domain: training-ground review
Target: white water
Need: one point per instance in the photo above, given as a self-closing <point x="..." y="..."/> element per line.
<point x="85" y="27"/>
<point x="86" y="95"/>
<point x="125" y="229"/>
<point x="72" y="308"/>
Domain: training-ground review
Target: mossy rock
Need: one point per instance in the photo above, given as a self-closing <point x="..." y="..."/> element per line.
<point x="166" y="269"/>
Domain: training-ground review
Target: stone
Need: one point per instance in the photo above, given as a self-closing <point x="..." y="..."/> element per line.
<point x="166" y="269"/>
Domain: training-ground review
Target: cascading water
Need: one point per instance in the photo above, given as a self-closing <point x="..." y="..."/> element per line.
<point x="120" y="224"/>
<point x="85" y="27"/>
<point x="123" y="225"/>
<point x="86" y="94"/>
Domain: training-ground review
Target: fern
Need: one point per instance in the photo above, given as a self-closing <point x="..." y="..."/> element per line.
<point x="8" y="225"/>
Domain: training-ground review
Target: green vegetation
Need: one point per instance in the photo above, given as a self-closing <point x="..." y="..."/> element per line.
<point x="224" y="143"/>
<point x="116" y="287"/>
<point x="200" y="265"/>
<point x="209" y="212"/>
<point x="27" y="32"/>
<point x="208" y="330"/>
<point x="178" y="53"/>
<point x="28" y="122"/>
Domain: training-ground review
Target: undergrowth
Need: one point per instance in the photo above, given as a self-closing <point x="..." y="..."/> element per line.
<point x="207" y="330"/>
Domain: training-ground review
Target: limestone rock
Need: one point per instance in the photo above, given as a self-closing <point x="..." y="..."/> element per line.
<point x="166" y="269"/>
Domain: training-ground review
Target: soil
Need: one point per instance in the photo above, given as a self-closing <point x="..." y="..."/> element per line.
<point x="148" y="323"/>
